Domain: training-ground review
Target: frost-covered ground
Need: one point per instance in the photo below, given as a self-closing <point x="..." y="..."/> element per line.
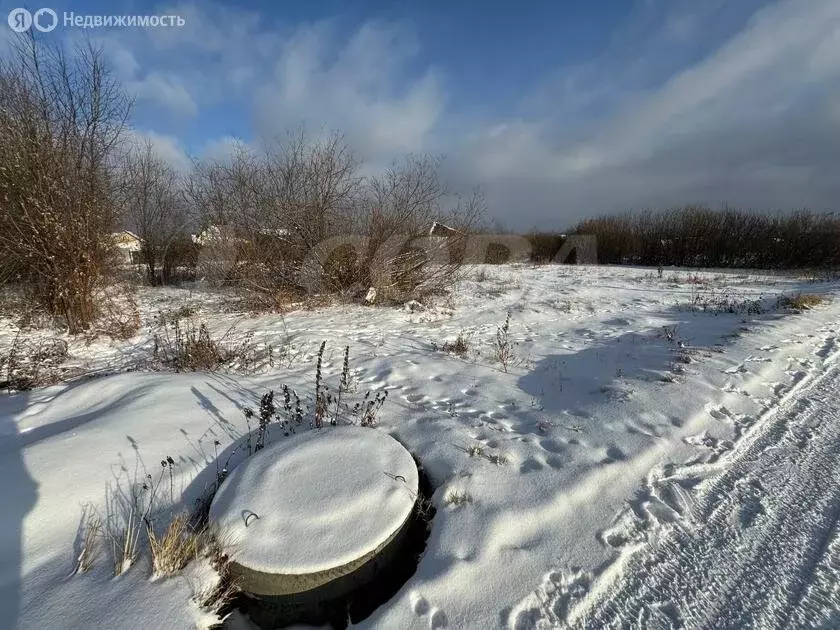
<point x="639" y="461"/>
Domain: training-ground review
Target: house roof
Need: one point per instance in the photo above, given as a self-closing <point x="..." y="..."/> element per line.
<point x="439" y="229"/>
<point x="127" y="240"/>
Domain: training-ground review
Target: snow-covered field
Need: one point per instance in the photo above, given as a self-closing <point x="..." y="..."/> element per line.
<point x="641" y="460"/>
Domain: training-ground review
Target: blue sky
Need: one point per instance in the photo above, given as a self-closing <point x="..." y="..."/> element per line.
<point x="556" y="109"/>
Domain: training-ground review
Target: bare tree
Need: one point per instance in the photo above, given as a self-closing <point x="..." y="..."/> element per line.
<point x="402" y="204"/>
<point x="61" y="116"/>
<point x="298" y="216"/>
<point x="269" y="212"/>
<point x="151" y="202"/>
<point x="312" y="188"/>
<point x="227" y="200"/>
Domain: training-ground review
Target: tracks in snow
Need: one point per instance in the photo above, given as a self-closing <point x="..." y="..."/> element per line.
<point x="751" y="540"/>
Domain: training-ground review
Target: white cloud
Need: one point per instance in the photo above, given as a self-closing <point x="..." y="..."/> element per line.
<point x="359" y="88"/>
<point x="690" y="102"/>
<point x="749" y="124"/>
<point x="165" y="91"/>
<point x="220" y="149"/>
<point x="168" y="148"/>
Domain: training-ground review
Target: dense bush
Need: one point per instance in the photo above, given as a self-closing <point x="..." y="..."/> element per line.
<point x="299" y="216"/>
<point x="61" y="116"/>
<point x="701" y="237"/>
<point x="545" y="245"/>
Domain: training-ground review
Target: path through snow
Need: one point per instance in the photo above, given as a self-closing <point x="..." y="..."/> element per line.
<point x="751" y="540"/>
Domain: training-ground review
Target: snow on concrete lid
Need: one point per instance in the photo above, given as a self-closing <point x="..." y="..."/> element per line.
<point x="323" y="499"/>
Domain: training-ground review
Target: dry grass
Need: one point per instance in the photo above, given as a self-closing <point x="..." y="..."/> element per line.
<point x="186" y="347"/>
<point x="119" y="317"/>
<point x="460" y="347"/>
<point x="500" y="459"/>
<point x="173" y="315"/>
<point x="190" y="347"/>
<point x="716" y="302"/>
<point x="178" y="544"/>
<point x="125" y="543"/>
<point x="32" y="361"/>
<point x="801" y="301"/>
<point x="457" y="498"/>
<point x="217" y="598"/>
<point x="92" y="528"/>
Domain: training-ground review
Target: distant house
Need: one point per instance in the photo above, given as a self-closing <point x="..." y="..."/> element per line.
<point x="231" y="234"/>
<point x="128" y="246"/>
<point x="439" y="229"/>
<point x="215" y="234"/>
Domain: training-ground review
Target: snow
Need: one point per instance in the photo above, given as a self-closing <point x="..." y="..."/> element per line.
<point x="747" y="537"/>
<point x="624" y="404"/>
<point x="322" y="500"/>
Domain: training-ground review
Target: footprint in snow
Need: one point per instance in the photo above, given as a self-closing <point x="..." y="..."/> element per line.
<point x="720" y="413"/>
<point x="554" y="461"/>
<point x="737" y="369"/>
<point x="438" y="620"/>
<point x="552" y="446"/>
<point x="421" y="606"/>
<point x="530" y="465"/>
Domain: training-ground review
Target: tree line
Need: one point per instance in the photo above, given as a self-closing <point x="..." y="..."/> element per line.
<point x="697" y="236"/>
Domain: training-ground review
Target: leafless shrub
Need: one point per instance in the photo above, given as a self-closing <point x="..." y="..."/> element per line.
<point x="190" y="347"/>
<point x="32" y="361"/>
<point x="119" y="316"/>
<point x="545" y="245"/>
<point x="504" y="346"/>
<point x="401" y="205"/>
<point x="696" y="236"/>
<point x="460" y="346"/>
<point x="151" y="202"/>
<point x="299" y="217"/>
<point x="61" y="115"/>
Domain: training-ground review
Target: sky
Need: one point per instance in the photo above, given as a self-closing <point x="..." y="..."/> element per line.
<point x="555" y="110"/>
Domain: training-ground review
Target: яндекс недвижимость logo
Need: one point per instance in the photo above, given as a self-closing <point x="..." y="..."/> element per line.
<point x="44" y="20"/>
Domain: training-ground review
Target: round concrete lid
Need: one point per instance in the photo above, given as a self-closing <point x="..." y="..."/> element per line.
<point x="314" y="506"/>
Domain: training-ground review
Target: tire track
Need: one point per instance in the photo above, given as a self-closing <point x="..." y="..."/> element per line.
<point x="759" y="546"/>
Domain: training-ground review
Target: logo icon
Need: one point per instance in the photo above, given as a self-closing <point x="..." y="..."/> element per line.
<point x="20" y="20"/>
<point x="45" y="28"/>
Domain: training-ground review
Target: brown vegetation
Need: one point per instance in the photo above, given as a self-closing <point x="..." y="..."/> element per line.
<point x="61" y="117"/>
<point x="700" y="237"/>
